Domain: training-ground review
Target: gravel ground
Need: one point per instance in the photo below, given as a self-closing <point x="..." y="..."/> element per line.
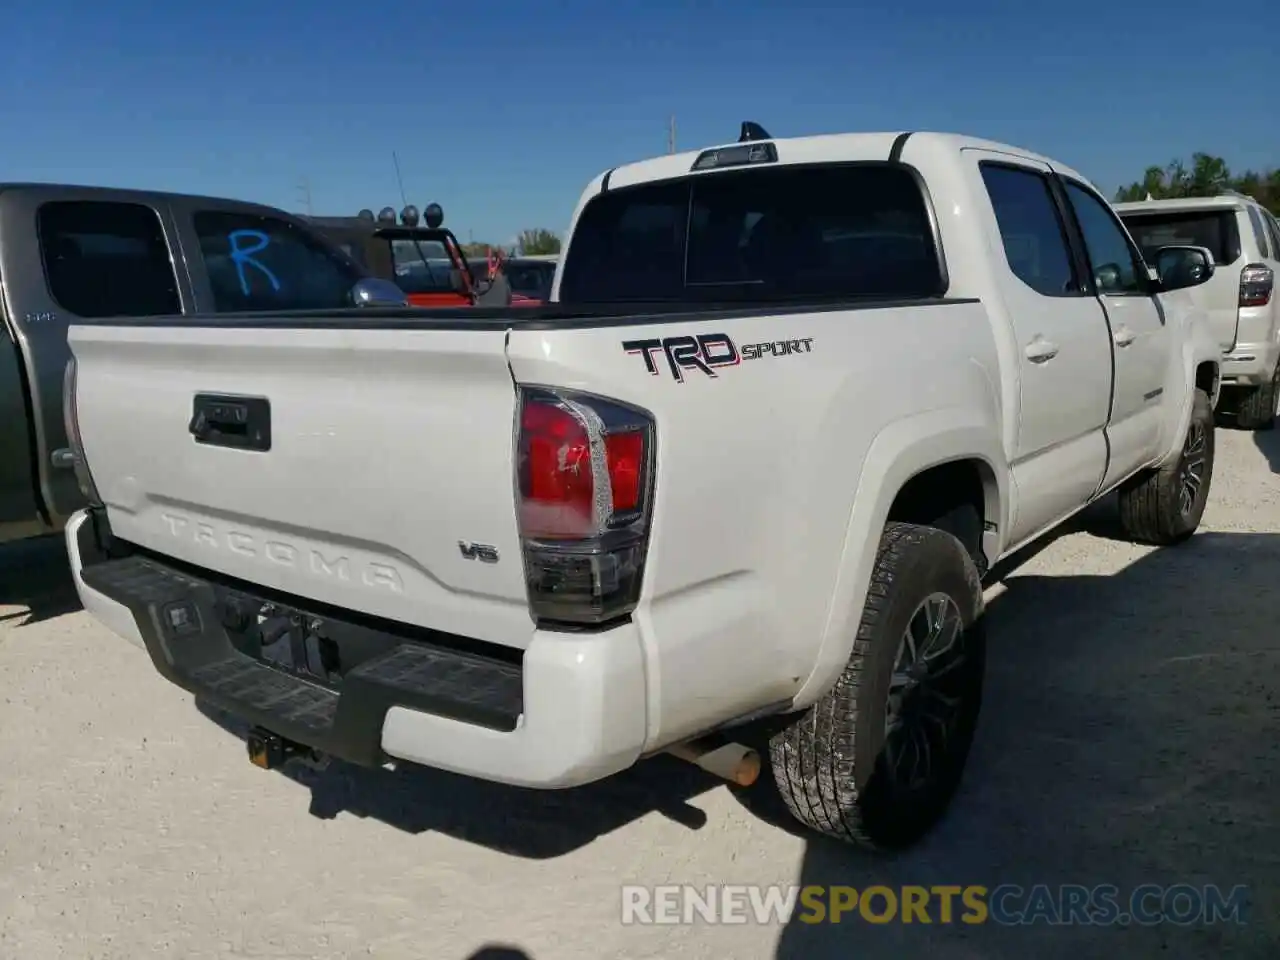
<point x="1129" y="736"/>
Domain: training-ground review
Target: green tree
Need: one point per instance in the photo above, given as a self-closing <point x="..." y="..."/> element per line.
<point x="1205" y="176"/>
<point x="537" y="242"/>
<point x="1209" y="176"/>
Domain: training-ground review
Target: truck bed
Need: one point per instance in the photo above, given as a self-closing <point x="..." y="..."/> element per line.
<point x="389" y="466"/>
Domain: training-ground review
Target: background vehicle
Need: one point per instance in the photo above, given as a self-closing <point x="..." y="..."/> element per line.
<point x="530" y="278"/>
<point x="747" y="464"/>
<point x="1245" y="240"/>
<point x="70" y="252"/>
<point x="426" y="262"/>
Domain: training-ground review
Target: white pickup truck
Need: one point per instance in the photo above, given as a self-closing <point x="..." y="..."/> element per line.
<point x="790" y="401"/>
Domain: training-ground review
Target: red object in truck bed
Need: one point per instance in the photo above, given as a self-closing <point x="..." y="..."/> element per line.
<point x="439" y="300"/>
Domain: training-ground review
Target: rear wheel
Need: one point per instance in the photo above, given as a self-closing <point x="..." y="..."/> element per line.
<point x="1257" y="409"/>
<point x="878" y="758"/>
<point x="1164" y="506"/>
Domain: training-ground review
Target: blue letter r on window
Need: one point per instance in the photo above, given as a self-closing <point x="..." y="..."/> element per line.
<point x="243" y="254"/>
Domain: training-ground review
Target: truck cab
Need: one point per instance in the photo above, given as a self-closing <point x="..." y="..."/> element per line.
<point x="71" y="253"/>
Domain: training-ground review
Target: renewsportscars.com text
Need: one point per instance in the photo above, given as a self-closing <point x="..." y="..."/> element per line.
<point x="1005" y="904"/>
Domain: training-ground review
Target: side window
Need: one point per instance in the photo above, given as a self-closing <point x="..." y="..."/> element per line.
<point x="1259" y="232"/>
<point x="1035" y="243"/>
<point x="1116" y="265"/>
<point x="258" y="262"/>
<point x="107" y="259"/>
<point x="1273" y="230"/>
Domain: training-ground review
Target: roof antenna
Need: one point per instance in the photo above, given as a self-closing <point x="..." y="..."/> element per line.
<point x="752" y="131"/>
<point x="399" y="179"/>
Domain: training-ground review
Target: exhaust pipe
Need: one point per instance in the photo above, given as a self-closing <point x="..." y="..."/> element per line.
<point x="729" y="761"/>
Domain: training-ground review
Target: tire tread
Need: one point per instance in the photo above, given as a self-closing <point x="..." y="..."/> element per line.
<point x="813" y="759"/>
<point x="1149" y="502"/>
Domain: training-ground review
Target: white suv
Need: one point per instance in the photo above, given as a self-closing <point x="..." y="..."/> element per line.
<point x="1245" y="241"/>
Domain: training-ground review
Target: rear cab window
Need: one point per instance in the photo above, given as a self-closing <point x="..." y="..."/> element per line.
<point x="107" y="259"/>
<point x="257" y="262"/>
<point x="1215" y="229"/>
<point x="764" y="235"/>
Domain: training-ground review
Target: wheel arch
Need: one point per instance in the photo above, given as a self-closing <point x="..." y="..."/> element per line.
<point x="907" y="460"/>
<point x="1201" y="370"/>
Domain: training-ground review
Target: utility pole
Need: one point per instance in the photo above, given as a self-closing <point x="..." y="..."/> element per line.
<point x="671" y="135"/>
<point x="305" y="189"/>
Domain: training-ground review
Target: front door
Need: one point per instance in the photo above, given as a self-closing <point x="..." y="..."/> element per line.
<point x="1138" y="330"/>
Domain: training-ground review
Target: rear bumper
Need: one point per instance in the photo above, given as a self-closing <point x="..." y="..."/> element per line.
<point x="1249" y="364"/>
<point x="568" y="711"/>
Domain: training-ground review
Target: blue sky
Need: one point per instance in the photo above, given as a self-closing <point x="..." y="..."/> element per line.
<point x="502" y="112"/>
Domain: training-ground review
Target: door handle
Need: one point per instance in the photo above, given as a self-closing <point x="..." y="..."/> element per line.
<point x="225" y="421"/>
<point x="1124" y="336"/>
<point x="1041" y="350"/>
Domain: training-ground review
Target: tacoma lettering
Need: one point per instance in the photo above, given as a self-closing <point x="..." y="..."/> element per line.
<point x="307" y="559"/>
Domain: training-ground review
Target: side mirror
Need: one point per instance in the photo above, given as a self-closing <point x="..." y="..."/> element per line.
<point x="1181" y="267"/>
<point x="374" y="292"/>
<point x="1107" y="277"/>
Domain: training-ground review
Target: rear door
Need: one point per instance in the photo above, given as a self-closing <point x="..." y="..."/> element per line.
<point x="1216" y="228"/>
<point x="70" y="254"/>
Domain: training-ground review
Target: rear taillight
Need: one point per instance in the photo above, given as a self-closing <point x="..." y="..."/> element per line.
<point x="71" y="421"/>
<point x="584" y="478"/>
<point x="1256" y="283"/>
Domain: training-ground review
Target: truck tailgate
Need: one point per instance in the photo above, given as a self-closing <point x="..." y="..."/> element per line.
<point x="390" y="457"/>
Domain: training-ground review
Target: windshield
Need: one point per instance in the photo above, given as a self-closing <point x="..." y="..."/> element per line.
<point x="773" y="234"/>
<point x="1215" y="229"/>
<point x="415" y="276"/>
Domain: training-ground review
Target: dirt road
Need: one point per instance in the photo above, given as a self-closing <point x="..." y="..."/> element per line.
<point x="1131" y="734"/>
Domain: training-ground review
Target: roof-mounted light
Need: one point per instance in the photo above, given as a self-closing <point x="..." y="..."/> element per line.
<point x="745" y="154"/>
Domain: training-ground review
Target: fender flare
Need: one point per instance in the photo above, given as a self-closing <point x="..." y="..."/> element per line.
<point x="1198" y="348"/>
<point x="900" y="451"/>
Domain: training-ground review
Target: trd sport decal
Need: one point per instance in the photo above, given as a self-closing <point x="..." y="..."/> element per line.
<point x="709" y="352"/>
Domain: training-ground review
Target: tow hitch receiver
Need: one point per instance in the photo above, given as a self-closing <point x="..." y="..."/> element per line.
<point x="270" y="750"/>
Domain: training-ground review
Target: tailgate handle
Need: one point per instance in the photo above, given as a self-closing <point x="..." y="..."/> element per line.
<point x="243" y="423"/>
